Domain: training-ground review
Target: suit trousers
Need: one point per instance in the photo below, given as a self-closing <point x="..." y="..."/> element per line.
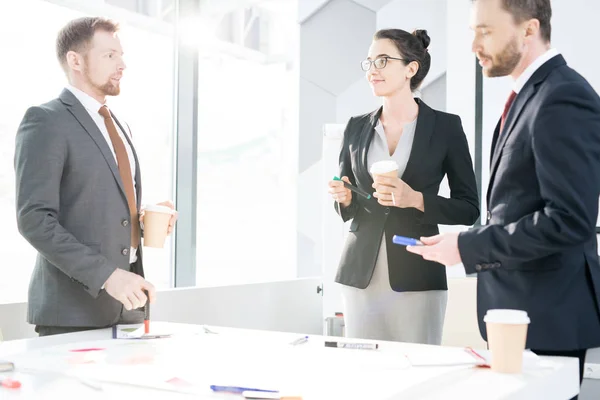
<point x="127" y="317"/>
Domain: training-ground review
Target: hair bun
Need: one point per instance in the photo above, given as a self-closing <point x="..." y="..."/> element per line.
<point x="423" y="37"/>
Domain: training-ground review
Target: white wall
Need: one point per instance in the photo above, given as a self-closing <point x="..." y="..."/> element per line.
<point x="287" y="306"/>
<point x="420" y="14"/>
<point x="435" y="93"/>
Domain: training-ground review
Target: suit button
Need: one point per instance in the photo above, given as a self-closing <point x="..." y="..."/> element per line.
<point x="489" y="215"/>
<point x="387" y="210"/>
<point x="478" y="267"/>
<point x="125" y="222"/>
<point x="125" y="252"/>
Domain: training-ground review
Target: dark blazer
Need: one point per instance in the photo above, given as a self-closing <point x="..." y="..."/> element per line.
<point x="439" y="148"/>
<point x="72" y="208"/>
<point x="538" y="252"/>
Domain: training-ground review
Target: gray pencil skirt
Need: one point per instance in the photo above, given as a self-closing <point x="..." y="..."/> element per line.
<point x="377" y="312"/>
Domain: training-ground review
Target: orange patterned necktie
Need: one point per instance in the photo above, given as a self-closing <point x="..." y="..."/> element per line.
<point x="124" y="171"/>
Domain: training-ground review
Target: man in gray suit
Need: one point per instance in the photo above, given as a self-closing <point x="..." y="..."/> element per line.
<point x="79" y="193"/>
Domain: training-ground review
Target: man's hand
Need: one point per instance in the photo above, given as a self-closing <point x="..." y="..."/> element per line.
<point x="128" y="288"/>
<point x="167" y="203"/>
<point x="440" y="248"/>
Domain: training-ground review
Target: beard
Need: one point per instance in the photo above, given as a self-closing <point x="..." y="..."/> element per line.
<point x="110" y="89"/>
<point x="107" y="89"/>
<point x="505" y="62"/>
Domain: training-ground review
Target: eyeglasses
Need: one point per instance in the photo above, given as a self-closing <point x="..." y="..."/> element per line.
<point x="379" y="63"/>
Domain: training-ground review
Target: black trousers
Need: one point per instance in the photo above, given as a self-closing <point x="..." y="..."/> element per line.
<point x="127" y="317"/>
<point x="580" y="354"/>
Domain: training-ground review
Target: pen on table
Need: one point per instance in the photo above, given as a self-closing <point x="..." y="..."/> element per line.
<point x="476" y="355"/>
<point x="147" y="314"/>
<point x="301" y="340"/>
<point x="238" y="389"/>
<point x="353" y="188"/>
<point x="207" y="330"/>
<point x="349" y="345"/>
<point x="405" y="241"/>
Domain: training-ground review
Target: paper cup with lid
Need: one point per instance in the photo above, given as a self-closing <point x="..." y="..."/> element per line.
<point x="156" y="225"/>
<point x="507" y="335"/>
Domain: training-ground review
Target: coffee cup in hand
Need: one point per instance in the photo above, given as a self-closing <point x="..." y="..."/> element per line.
<point x="387" y="168"/>
<point x="156" y="225"/>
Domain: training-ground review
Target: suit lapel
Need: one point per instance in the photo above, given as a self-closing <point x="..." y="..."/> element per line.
<point x="513" y="115"/>
<point x="365" y="140"/>
<point x="80" y="113"/>
<point x="520" y="102"/>
<point x="494" y="141"/>
<point x="423" y="133"/>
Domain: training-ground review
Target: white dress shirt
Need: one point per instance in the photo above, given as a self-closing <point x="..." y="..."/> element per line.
<point x="534" y="66"/>
<point x="93" y="106"/>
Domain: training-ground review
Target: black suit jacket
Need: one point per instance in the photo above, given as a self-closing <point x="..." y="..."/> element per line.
<point x="538" y="252"/>
<point x="439" y="148"/>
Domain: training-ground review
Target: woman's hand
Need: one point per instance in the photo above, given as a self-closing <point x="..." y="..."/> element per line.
<point x="394" y="192"/>
<point x="339" y="193"/>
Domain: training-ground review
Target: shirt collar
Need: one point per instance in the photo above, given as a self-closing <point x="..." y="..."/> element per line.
<point x="530" y="70"/>
<point x="90" y="103"/>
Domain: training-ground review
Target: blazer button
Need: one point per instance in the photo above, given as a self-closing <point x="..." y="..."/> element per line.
<point x="478" y="267"/>
<point x="387" y="210"/>
<point x="489" y="215"/>
<point x="125" y="252"/>
<point x="125" y="222"/>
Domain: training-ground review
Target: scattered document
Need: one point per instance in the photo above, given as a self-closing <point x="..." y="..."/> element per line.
<point x="136" y="331"/>
<point x="449" y="357"/>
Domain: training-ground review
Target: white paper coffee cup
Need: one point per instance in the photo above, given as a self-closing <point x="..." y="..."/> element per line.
<point x="156" y="225"/>
<point x="385" y="168"/>
<point x="507" y="335"/>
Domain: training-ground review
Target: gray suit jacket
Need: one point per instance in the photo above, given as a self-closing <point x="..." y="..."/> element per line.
<point x="72" y="207"/>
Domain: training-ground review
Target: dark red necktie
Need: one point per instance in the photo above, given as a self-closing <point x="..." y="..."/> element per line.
<point x="509" y="102"/>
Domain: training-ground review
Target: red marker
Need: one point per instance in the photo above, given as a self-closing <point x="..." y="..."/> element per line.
<point x="87" y="349"/>
<point x="147" y="314"/>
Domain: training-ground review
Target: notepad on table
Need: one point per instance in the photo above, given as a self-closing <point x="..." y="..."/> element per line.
<point x="136" y="331"/>
<point x="448" y="357"/>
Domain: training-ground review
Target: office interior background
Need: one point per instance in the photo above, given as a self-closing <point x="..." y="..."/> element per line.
<point x="227" y="100"/>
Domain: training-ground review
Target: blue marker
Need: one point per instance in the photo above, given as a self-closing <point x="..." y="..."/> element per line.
<point x="301" y="340"/>
<point x="238" y="390"/>
<point x="405" y="241"/>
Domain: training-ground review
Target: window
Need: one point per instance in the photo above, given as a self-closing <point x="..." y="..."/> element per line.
<point x="247" y="145"/>
<point x="32" y="76"/>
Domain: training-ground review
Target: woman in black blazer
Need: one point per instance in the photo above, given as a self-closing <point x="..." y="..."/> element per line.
<point x="389" y="293"/>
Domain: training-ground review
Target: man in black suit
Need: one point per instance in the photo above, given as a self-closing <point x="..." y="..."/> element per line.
<point x="538" y="251"/>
